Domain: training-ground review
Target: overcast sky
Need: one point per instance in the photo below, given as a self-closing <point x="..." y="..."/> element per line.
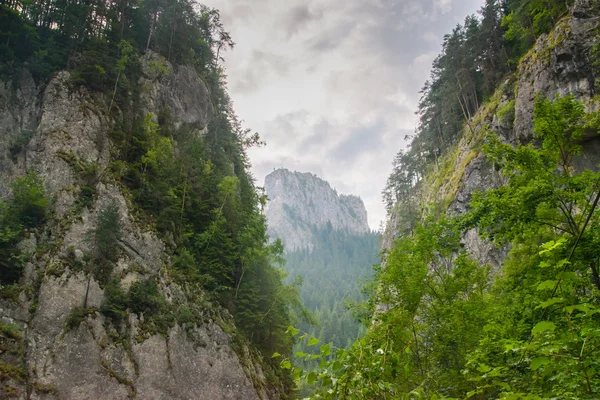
<point x="332" y="85"/>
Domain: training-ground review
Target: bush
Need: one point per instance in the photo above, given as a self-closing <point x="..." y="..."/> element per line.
<point x="19" y="143"/>
<point x="27" y="209"/>
<point x="104" y="239"/>
<point x="29" y="200"/>
<point x="11" y="331"/>
<point x="115" y="301"/>
<point x="144" y="297"/>
<point x="76" y="317"/>
<point x="107" y="233"/>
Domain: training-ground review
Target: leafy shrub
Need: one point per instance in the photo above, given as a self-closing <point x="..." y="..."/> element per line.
<point x="507" y="111"/>
<point x="86" y="196"/>
<point x="29" y="200"/>
<point x="76" y="317"/>
<point x="27" y="209"/>
<point x="11" y="331"/>
<point x="19" y="143"/>
<point x="115" y="301"/>
<point x="144" y="297"/>
<point x="104" y="239"/>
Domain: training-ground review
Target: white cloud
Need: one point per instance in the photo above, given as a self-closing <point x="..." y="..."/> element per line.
<point x="332" y="85"/>
<point x="444" y="6"/>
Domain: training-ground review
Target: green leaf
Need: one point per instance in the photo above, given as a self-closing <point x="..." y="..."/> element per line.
<point x="543" y="327"/>
<point x="545" y="264"/>
<point x="325" y="350"/>
<point x="311" y="378"/>
<point x="300" y="354"/>
<point x="336" y="366"/>
<point x="550" y="302"/>
<point x="286" y="364"/>
<point x="536" y="363"/>
<point x="547" y="285"/>
<point x="275" y="355"/>
<point x="297" y="373"/>
<point x="483" y="368"/>
<point x="293" y="331"/>
<point x="313" y="341"/>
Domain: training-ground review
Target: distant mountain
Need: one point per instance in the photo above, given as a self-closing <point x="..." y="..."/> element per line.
<point x="299" y="202"/>
<point x="329" y="244"/>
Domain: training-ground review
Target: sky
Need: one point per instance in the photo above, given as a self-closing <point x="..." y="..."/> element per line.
<point x="332" y="86"/>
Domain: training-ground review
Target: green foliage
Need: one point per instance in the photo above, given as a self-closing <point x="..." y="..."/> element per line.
<point x="11" y="292"/>
<point x="543" y="189"/>
<point x="115" y="301"/>
<point x="445" y="329"/>
<point x="11" y="331"/>
<point x="507" y="112"/>
<point x="476" y="57"/>
<point x="11" y="371"/>
<point x="86" y="196"/>
<point x="525" y="21"/>
<point x="20" y="142"/>
<point x="29" y="200"/>
<point x="144" y="297"/>
<point x="76" y="317"/>
<point x="96" y="38"/>
<point x="104" y="240"/>
<point x="27" y="209"/>
<point x="194" y="190"/>
<point x="330" y="274"/>
<point x="108" y="232"/>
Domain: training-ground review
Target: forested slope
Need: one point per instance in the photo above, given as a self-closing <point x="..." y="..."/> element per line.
<point x="332" y="273"/>
<point x="489" y="286"/>
<point x="328" y="247"/>
<point x="134" y="259"/>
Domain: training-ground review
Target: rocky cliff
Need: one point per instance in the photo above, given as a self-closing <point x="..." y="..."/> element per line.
<point x="300" y="201"/>
<point x="61" y="132"/>
<point x="559" y="64"/>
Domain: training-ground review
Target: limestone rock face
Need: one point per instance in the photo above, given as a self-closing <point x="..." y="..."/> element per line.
<point x="559" y="64"/>
<point x="300" y="201"/>
<point x="63" y="133"/>
<point x="176" y="90"/>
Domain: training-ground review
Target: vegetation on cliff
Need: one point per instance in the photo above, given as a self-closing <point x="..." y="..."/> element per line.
<point x="445" y="326"/>
<point x="194" y="190"/>
<point x="476" y="58"/>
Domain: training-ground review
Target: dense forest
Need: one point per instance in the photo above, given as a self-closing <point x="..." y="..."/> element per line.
<point x="476" y="58"/>
<point x="331" y="275"/>
<point x="440" y="325"/>
<point x="195" y="191"/>
<point x="445" y="326"/>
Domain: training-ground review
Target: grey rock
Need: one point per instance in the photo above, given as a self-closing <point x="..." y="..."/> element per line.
<point x="300" y="201"/>
<point x="584" y="9"/>
<point x="70" y="125"/>
<point x="177" y="90"/>
<point x="558" y="65"/>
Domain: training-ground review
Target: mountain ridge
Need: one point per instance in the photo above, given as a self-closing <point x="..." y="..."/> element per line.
<point x="300" y="201"/>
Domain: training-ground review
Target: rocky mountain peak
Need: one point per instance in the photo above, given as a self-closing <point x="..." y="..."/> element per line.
<point x="299" y="202"/>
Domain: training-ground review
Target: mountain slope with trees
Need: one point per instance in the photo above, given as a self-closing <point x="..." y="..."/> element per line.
<point x="130" y="225"/>
<point x="334" y="252"/>
<point x="489" y="286"/>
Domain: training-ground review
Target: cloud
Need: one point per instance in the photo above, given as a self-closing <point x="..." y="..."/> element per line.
<point x="332" y="85"/>
<point x="260" y="67"/>
<point x="443" y="6"/>
<point x="362" y="139"/>
<point x="298" y="18"/>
